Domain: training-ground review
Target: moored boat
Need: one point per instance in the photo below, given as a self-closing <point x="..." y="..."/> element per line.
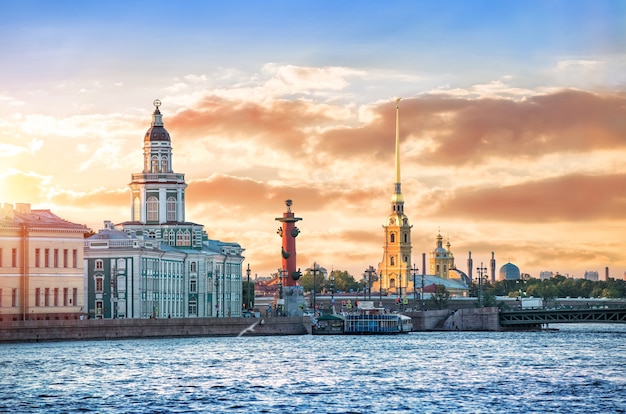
<point x="372" y="321"/>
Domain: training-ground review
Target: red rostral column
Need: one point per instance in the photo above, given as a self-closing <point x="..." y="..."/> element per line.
<point x="289" y="232"/>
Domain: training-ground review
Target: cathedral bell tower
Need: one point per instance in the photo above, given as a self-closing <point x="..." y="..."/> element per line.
<point x="394" y="271"/>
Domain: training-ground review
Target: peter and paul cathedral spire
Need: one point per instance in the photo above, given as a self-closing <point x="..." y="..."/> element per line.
<point x="394" y="270"/>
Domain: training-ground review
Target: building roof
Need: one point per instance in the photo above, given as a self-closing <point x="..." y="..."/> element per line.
<point x="23" y="216"/>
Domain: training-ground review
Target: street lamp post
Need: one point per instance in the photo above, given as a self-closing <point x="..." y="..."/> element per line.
<point x="280" y="291"/>
<point x="400" y="281"/>
<point x="332" y="291"/>
<point x="217" y="294"/>
<point x="380" y="288"/>
<point x="415" y="270"/>
<point x="480" y="271"/>
<point x="249" y="305"/>
<point x="314" y="269"/>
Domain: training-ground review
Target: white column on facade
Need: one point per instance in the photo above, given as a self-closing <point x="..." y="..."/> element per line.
<point x="180" y="206"/>
<point x="143" y="209"/>
<point x="162" y="205"/>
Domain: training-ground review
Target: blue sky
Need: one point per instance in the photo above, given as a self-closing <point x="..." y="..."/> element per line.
<point x="505" y="104"/>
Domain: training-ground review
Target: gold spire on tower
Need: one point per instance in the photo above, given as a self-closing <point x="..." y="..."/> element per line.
<point x="397" y="199"/>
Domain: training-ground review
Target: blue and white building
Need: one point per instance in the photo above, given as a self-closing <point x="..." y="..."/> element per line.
<point x="158" y="264"/>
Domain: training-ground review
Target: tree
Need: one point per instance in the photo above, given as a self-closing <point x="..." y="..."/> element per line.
<point x="343" y="281"/>
<point x="440" y="297"/>
<point x="247" y="289"/>
<point x="306" y="281"/>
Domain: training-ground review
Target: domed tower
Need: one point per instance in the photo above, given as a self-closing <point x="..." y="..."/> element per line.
<point x="394" y="270"/>
<point x="441" y="259"/>
<point x="157" y="193"/>
<point x="509" y="272"/>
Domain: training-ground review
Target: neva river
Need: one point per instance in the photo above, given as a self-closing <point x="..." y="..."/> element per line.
<point x="579" y="369"/>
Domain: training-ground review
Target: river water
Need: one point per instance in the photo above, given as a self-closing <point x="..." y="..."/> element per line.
<point x="578" y="369"/>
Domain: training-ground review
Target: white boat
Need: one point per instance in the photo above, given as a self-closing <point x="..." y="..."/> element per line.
<point x="373" y="321"/>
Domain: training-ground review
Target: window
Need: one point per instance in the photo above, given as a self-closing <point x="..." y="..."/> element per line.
<point x="171" y="209"/>
<point x="56" y="257"/>
<point x="193" y="307"/>
<point x="46" y="297"/>
<point x="186" y="238"/>
<point x="392" y="238"/>
<point x="172" y="238"/>
<point x="65" y="258"/>
<point x="153" y="209"/>
<point x="46" y="258"/>
<point x="136" y="209"/>
<point x="164" y="164"/>
<point x="179" y="238"/>
<point x="99" y="264"/>
<point x="56" y="297"/>
<point x="155" y="164"/>
<point x="75" y="296"/>
<point x="392" y="261"/>
<point x="37" y="297"/>
<point x="406" y="237"/>
<point x="0" y="298"/>
<point x="14" y="257"/>
<point x="65" y="297"/>
<point x="99" y="283"/>
<point x="193" y="267"/>
<point x="74" y="258"/>
<point x="193" y="285"/>
<point x="437" y="269"/>
<point x="99" y="308"/>
<point x="14" y="298"/>
<point x="37" y="257"/>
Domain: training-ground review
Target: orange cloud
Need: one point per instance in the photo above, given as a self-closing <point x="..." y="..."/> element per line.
<point x="567" y="198"/>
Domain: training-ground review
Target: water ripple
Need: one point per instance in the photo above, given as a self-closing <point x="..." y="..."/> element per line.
<point x="573" y="370"/>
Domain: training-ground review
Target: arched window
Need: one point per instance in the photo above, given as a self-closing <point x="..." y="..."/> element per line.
<point x="179" y="238"/>
<point x="164" y="164"/>
<point x="392" y="261"/>
<point x="153" y="209"/>
<point x="99" y="264"/>
<point x="171" y="209"/>
<point x="392" y="238"/>
<point x="187" y="238"/>
<point x="136" y="209"/>
<point x="172" y="238"/>
<point x="155" y="164"/>
<point x="406" y="237"/>
<point x="193" y="267"/>
<point x="392" y="283"/>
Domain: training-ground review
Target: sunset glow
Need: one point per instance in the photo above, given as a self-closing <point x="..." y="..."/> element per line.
<point x="512" y="122"/>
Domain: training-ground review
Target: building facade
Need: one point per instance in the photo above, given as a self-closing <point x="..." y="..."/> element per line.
<point x="41" y="265"/>
<point x="441" y="259"/>
<point x="158" y="264"/>
<point x="394" y="270"/>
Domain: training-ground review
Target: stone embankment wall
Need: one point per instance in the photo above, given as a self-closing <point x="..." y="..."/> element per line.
<point x="474" y="319"/>
<point x="98" y="329"/>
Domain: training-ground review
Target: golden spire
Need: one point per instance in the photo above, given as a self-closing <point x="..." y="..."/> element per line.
<point x="397" y="200"/>
<point x="398" y="145"/>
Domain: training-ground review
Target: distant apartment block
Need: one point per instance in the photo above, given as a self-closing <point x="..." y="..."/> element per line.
<point x="41" y="264"/>
<point x="592" y="275"/>
<point x="546" y="275"/>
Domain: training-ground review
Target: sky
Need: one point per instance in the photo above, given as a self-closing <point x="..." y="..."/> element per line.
<point x="512" y="122"/>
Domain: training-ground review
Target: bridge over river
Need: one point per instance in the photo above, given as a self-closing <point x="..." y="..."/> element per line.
<point x="535" y="318"/>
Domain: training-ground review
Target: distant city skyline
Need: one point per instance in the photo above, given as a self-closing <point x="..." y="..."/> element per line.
<point x="512" y="127"/>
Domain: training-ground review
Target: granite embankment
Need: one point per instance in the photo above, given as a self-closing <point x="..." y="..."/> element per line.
<point x="102" y="329"/>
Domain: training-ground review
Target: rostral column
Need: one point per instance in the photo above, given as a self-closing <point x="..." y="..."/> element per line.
<point x="289" y="232"/>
